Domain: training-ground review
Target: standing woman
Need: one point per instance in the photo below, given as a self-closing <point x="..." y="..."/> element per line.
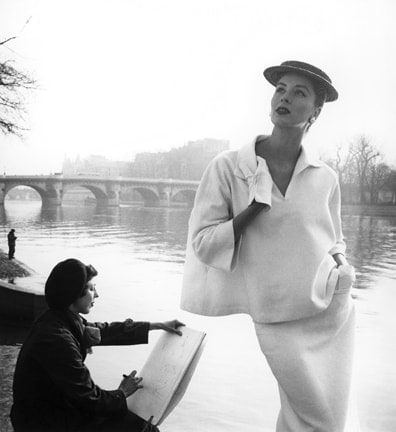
<point x="265" y="239"/>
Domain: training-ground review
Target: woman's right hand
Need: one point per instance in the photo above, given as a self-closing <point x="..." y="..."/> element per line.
<point x="130" y="384"/>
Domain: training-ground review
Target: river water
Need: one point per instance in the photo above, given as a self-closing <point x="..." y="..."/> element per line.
<point x="139" y="253"/>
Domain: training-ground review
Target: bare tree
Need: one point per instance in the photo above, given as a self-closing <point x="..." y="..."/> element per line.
<point x="345" y="167"/>
<point x="378" y="178"/>
<point x="364" y="155"/>
<point x="341" y="164"/>
<point x="391" y="185"/>
<point x="14" y="84"/>
<point x="362" y="172"/>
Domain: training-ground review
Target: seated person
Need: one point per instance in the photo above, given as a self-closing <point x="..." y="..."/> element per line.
<point x="53" y="389"/>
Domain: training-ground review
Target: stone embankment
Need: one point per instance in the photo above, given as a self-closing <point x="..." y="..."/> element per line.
<point x="9" y="269"/>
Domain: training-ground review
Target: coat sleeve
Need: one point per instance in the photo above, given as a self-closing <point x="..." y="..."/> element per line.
<point x="128" y="332"/>
<point x="60" y="356"/>
<point x="335" y="211"/>
<point x="211" y="226"/>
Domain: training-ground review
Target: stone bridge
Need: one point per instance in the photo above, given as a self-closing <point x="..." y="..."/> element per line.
<point x="155" y="192"/>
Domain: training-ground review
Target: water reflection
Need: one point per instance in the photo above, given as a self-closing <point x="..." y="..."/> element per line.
<point x="161" y="233"/>
<point x="51" y="214"/>
<point x="151" y="234"/>
<point x="371" y="244"/>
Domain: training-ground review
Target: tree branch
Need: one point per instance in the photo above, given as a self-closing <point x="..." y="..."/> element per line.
<point x="7" y="40"/>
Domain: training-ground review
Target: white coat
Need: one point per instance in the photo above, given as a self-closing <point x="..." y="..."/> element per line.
<point x="280" y="268"/>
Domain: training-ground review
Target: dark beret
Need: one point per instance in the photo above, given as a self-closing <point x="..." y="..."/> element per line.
<point x="67" y="282"/>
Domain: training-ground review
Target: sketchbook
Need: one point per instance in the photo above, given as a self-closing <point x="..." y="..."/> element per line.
<point x="166" y="374"/>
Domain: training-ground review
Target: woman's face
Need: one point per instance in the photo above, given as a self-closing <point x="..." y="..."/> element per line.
<point x="293" y="103"/>
<point x="85" y="303"/>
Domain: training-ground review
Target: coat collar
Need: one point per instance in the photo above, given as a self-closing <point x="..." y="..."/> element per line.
<point x="246" y="164"/>
<point x="74" y="322"/>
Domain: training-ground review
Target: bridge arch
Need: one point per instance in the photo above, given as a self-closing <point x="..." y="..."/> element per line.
<point x="45" y="195"/>
<point x="100" y="195"/>
<point x="185" y="195"/>
<point x="150" y="197"/>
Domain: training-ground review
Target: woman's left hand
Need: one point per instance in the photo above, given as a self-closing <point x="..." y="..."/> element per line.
<point x="169" y="326"/>
<point x="340" y="259"/>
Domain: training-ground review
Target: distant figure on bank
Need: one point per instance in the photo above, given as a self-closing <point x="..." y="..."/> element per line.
<point x="11" y="237"/>
<point x="53" y="389"/>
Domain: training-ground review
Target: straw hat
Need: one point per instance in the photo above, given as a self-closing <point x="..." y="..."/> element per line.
<point x="273" y="74"/>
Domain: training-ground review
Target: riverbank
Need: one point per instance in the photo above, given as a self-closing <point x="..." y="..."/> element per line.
<point x="8" y="357"/>
<point x="10" y="269"/>
<point x="369" y="210"/>
<point x="21" y="300"/>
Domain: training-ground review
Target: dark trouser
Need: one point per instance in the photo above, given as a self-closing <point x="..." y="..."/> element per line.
<point x="11" y="252"/>
<point x="125" y="423"/>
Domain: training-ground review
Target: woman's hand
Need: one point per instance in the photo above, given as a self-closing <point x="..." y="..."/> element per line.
<point x="169" y="326"/>
<point x="130" y="384"/>
<point x="340" y="259"/>
<point x="150" y="427"/>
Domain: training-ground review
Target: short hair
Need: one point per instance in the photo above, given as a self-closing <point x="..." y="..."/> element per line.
<point x="66" y="282"/>
<point x="320" y="93"/>
<point x="91" y="273"/>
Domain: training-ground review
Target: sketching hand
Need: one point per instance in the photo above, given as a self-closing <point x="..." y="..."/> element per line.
<point x="169" y="326"/>
<point x="130" y="384"/>
<point x="150" y="427"/>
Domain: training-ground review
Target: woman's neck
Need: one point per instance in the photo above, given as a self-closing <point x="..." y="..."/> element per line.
<point x="284" y="144"/>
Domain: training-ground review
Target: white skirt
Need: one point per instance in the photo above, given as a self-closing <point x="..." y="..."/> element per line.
<point x="311" y="359"/>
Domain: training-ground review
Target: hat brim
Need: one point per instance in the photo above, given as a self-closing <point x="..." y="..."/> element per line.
<point x="273" y="73"/>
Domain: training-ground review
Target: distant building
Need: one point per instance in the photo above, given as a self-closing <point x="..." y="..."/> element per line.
<point x="186" y="163"/>
<point x="95" y="165"/>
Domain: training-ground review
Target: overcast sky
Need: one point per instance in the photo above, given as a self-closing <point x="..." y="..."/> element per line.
<point x="121" y="76"/>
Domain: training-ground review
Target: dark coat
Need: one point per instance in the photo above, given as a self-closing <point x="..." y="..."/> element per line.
<point x="53" y="389"/>
<point x="11" y="237"/>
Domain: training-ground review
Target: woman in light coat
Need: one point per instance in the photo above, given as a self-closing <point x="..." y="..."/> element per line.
<point x="265" y="238"/>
